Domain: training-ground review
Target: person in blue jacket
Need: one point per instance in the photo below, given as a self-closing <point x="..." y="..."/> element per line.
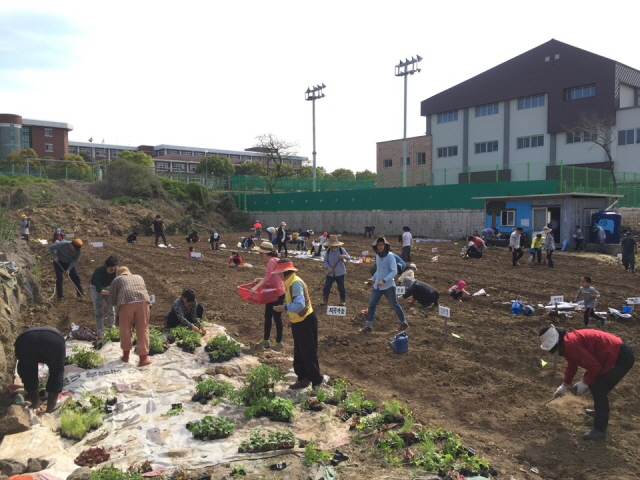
<point x="384" y="285"/>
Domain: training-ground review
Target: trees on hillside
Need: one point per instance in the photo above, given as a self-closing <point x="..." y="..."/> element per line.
<point x="136" y="158"/>
<point x="19" y="159"/>
<point x="343" y="174"/>
<point x="216" y="165"/>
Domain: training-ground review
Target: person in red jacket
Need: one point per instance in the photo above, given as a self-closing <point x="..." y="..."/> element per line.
<point x="606" y="360"/>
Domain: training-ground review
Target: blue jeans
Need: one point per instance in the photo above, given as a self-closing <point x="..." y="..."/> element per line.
<point x="329" y="282"/>
<point x="375" y="297"/>
<point x="100" y="303"/>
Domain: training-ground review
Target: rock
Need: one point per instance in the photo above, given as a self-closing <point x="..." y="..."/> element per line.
<point x="3" y="477"/>
<point x="16" y="420"/>
<point x="36" y="465"/>
<point x="11" y="467"/>
<point x="82" y="473"/>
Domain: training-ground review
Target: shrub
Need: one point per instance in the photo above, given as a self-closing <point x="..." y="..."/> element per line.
<point x="259" y="383"/>
<point x="157" y="342"/>
<point x="210" y="428"/>
<point x="73" y="425"/>
<point x="314" y="456"/>
<point x="85" y="358"/>
<point x="113" y="473"/>
<point x="185" y="338"/>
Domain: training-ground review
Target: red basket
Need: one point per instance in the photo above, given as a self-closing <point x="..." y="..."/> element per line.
<point x="260" y="296"/>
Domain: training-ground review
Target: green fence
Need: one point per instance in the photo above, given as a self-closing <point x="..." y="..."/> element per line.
<point x="438" y="197"/>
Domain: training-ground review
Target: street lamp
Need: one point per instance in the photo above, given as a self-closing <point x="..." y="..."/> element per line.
<point x="206" y="154"/>
<point x="408" y="67"/>
<point x="312" y="94"/>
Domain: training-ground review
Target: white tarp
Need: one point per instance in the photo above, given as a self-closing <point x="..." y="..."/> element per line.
<point x="137" y="430"/>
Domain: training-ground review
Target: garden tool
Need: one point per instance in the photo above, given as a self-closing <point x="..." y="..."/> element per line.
<point x="67" y="276"/>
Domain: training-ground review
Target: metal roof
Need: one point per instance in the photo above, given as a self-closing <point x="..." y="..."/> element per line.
<point x="552" y="195"/>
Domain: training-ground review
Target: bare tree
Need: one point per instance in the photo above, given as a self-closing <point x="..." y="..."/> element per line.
<point x="279" y="158"/>
<point x="593" y="127"/>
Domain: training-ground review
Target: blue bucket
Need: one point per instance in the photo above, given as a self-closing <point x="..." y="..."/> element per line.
<point x="400" y="343"/>
<point x="627" y="309"/>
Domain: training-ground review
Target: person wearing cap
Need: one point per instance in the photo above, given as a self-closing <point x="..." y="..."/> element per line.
<point x="629" y="250"/>
<point x="514" y="245"/>
<point x="128" y="293"/>
<point x="281" y="235"/>
<point x="25" y="223"/>
<point x="257" y="229"/>
<point x="422" y="292"/>
<point x="65" y="256"/>
<point x="41" y="345"/>
<point x="99" y="290"/>
<point x="214" y="241"/>
<point x="271" y="233"/>
<point x="383" y="285"/>
<point x="407" y="244"/>
<point x="58" y="236"/>
<point x="321" y="240"/>
<point x="601" y="236"/>
<point x="304" y="326"/>
<point x="267" y="254"/>
<point x="458" y="291"/>
<point x="334" y="263"/>
<point x="410" y="272"/>
<point x="549" y="245"/>
<point x="606" y="359"/>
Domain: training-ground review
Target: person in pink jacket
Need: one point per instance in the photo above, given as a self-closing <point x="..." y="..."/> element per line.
<point x="269" y="255"/>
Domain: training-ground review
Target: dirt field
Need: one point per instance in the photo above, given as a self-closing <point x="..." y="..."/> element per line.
<point x="486" y="385"/>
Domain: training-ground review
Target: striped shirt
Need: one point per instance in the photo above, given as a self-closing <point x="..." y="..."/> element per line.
<point x="128" y="289"/>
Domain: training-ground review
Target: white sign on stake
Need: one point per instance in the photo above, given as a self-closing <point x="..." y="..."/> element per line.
<point x="400" y="290"/>
<point x="434" y="250"/>
<point x="556" y="299"/>
<point x="444" y="311"/>
<point x="337" y="311"/>
<point x="196" y="254"/>
<point x="97" y="244"/>
<point x="633" y="301"/>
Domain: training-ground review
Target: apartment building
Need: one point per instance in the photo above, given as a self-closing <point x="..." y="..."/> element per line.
<point x="48" y="139"/>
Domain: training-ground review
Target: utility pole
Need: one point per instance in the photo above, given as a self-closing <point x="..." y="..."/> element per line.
<point x="403" y="69"/>
<point x="312" y="94"/>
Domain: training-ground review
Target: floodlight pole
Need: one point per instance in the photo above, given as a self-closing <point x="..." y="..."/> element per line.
<point x="403" y="69"/>
<point x="312" y="94"/>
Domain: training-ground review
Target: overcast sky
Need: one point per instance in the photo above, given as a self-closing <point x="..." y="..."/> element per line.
<point x="218" y="74"/>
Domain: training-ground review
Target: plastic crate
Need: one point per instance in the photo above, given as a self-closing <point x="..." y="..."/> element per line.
<point x="260" y="296"/>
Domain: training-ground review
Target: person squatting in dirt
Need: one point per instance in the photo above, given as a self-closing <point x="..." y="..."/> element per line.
<point x="185" y="311"/>
<point x="257" y="230"/>
<point x="235" y="260"/>
<point x="65" y="256"/>
<point x="335" y="259"/>
<point x="304" y="327"/>
<point x="133" y="237"/>
<point x="384" y="285"/>
<point x="247" y="242"/>
<point x="195" y="255"/>
<point x="472" y="250"/>
<point x="41" y="345"/>
<point x="99" y="291"/>
<point x="193" y="237"/>
<point x="590" y="296"/>
<point x="422" y="292"/>
<point x="214" y="241"/>
<point x="128" y="293"/>
<point x="410" y="272"/>
<point x="606" y="360"/>
<point x="58" y="236"/>
<point x="457" y="291"/>
<point x="268" y="254"/>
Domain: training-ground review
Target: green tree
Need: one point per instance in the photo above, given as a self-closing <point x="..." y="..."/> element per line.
<point x="19" y="158"/>
<point x="123" y="177"/>
<point x="216" y="165"/>
<point x="494" y="208"/>
<point x="366" y="176"/>
<point x="307" y="172"/>
<point x="343" y="174"/>
<point x="75" y="166"/>
<point x="137" y="158"/>
<point x="279" y="156"/>
<point x="253" y="169"/>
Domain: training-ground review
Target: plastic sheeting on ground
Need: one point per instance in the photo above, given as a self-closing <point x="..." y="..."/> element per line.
<point x="137" y="430"/>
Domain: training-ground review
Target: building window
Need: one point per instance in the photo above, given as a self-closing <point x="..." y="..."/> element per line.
<point x="629" y="137"/>
<point x="85" y="150"/>
<point x="162" y="166"/>
<point x="192" y="168"/>
<point x="508" y="218"/>
<point x="490" y="109"/>
<point x="422" y="158"/>
<point x="101" y="152"/>
<point x="387" y="163"/>
<point x="113" y="153"/>
<point x="174" y="152"/>
<point x="48" y="132"/>
<point x="580" y="136"/>
<point x="531" y="142"/>
<point x="26" y="137"/>
<point x="487" y="147"/>
<point x="199" y="154"/>
<point x="407" y="161"/>
<point x="161" y="152"/>
<point x="443" y="152"/>
<point x="48" y="147"/>
<point x="73" y="150"/>
<point x="577" y="93"/>
<point x="445" y="117"/>
<point x="186" y="153"/>
<point x="531" y="102"/>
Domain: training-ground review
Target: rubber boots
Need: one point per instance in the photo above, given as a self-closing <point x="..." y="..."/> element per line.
<point x="125" y="356"/>
<point x="34" y="398"/>
<point x="52" y="402"/>
<point x="144" y="361"/>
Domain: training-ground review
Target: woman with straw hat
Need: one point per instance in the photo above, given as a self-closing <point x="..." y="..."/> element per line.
<point x="334" y="261"/>
<point x="268" y="254"/>
<point x="304" y="326"/>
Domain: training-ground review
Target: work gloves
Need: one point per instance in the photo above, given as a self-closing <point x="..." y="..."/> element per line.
<point x="562" y="389"/>
<point x="580" y="387"/>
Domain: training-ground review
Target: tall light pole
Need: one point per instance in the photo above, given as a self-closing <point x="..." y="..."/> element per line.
<point x="312" y="94"/>
<point x="206" y="154"/>
<point x="403" y="69"/>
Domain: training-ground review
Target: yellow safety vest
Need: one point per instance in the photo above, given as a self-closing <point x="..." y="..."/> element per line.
<point x="288" y="298"/>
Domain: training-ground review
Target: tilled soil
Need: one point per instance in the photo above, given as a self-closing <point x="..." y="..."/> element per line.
<point x="487" y="385"/>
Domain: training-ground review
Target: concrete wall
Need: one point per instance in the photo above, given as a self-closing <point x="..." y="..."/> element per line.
<point x="431" y="223"/>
